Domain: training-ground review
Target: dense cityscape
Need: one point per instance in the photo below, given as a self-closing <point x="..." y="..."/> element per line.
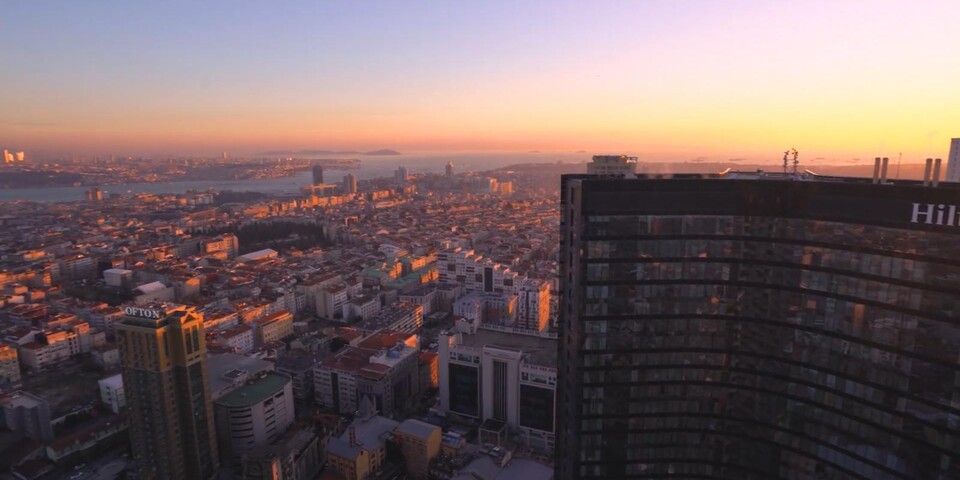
<point x="407" y="327"/>
<point x="323" y="322"/>
<point x="487" y="240"/>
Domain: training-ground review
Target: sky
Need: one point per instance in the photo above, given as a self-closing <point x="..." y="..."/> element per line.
<point x="663" y="80"/>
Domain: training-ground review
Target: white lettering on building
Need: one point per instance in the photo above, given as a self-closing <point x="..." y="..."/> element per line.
<point x="935" y="214"/>
<point x="142" y="313"/>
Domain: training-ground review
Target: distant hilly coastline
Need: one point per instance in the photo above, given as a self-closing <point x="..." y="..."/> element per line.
<point x="383" y="151"/>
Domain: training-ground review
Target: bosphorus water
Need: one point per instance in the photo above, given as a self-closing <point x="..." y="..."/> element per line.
<point x="370" y="167"/>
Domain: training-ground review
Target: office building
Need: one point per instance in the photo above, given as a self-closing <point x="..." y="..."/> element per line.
<point x="167" y="388"/>
<point x="953" y="161"/>
<point x="756" y="325"/>
<point x="401" y="175"/>
<point x="612" y="165"/>
<point x="420" y="442"/>
<point x="503" y="381"/>
<point x="350" y="184"/>
<point x="318" y="174"/>
<point x="94" y="194"/>
<point x="448" y="170"/>
<point x="253" y="415"/>
<point x="230" y="371"/>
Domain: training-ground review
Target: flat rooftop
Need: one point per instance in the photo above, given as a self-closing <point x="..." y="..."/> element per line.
<point x="255" y="392"/>
<point x="542" y="351"/>
<point x="223" y="367"/>
<point x="21" y="399"/>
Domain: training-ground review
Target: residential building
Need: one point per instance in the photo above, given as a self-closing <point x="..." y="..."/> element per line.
<point x="28" y="415"/>
<point x="52" y="347"/>
<point x="299" y="365"/>
<point x="297" y="455"/>
<point x="533" y="305"/>
<point x="475" y="273"/>
<point x="111" y="392"/>
<point x="272" y="328"/>
<point x="239" y="339"/>
<point x="167" y="388"/>
<point x="9" y="365"/>
<point x="401" y="317"/>
<point x="383" y="368"/>
<point x="420" y="442"/>
<point x="758" y="325"/>
<point x="361" y="451"/>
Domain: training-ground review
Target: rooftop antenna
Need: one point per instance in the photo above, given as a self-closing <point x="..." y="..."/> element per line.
<point x="785" y="155"/>
<point x="795" y="161"/>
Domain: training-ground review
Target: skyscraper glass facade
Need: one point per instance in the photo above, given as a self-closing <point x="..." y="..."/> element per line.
<point x="759" y="328"/>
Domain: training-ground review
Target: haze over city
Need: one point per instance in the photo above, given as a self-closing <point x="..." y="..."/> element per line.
<point x="464" y="240"/>
<point x="662" y="80"/>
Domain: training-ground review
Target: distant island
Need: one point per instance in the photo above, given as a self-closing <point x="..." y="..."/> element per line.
<point x="383" y="151"/>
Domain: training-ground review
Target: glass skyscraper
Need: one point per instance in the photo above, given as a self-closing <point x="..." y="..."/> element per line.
<point x="756" y="326"/>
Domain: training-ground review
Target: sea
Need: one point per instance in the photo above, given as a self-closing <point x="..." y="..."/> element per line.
<point x="370" y="167"/>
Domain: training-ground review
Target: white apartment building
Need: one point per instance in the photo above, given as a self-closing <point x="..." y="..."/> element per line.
<point x="54" y="346"/>
<point x="111" y="392"/>
<point x="475" y="273"/>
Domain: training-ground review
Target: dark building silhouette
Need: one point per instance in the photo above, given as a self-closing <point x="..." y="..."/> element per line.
<point x="757" y="326"/>
<point x="167" y="388"/>
<point x="317" y="174"/>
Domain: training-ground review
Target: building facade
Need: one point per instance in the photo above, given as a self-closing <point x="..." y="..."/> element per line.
<point x="420" y="443"/>
<point x="111" y="392"/>
<point x="533" y="305"/>
<point x="9" y="365"/>
<point x="501" y="376"/>
<point x="253" y="415"/>
<point x="475" y="273"/>
<point x="748" y="326"/>
<point x="167" y="389"/>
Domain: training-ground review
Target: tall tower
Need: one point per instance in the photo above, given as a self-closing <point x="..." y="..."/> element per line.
<point x="350" y="183"/>
<point x="401" y="175"/>
<point x="449" y="169"/>
<point x="164" y="362"/>
<point x="727" y="326"/>
<point x="953" y="161"/>
<point x="317" y="174"/>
